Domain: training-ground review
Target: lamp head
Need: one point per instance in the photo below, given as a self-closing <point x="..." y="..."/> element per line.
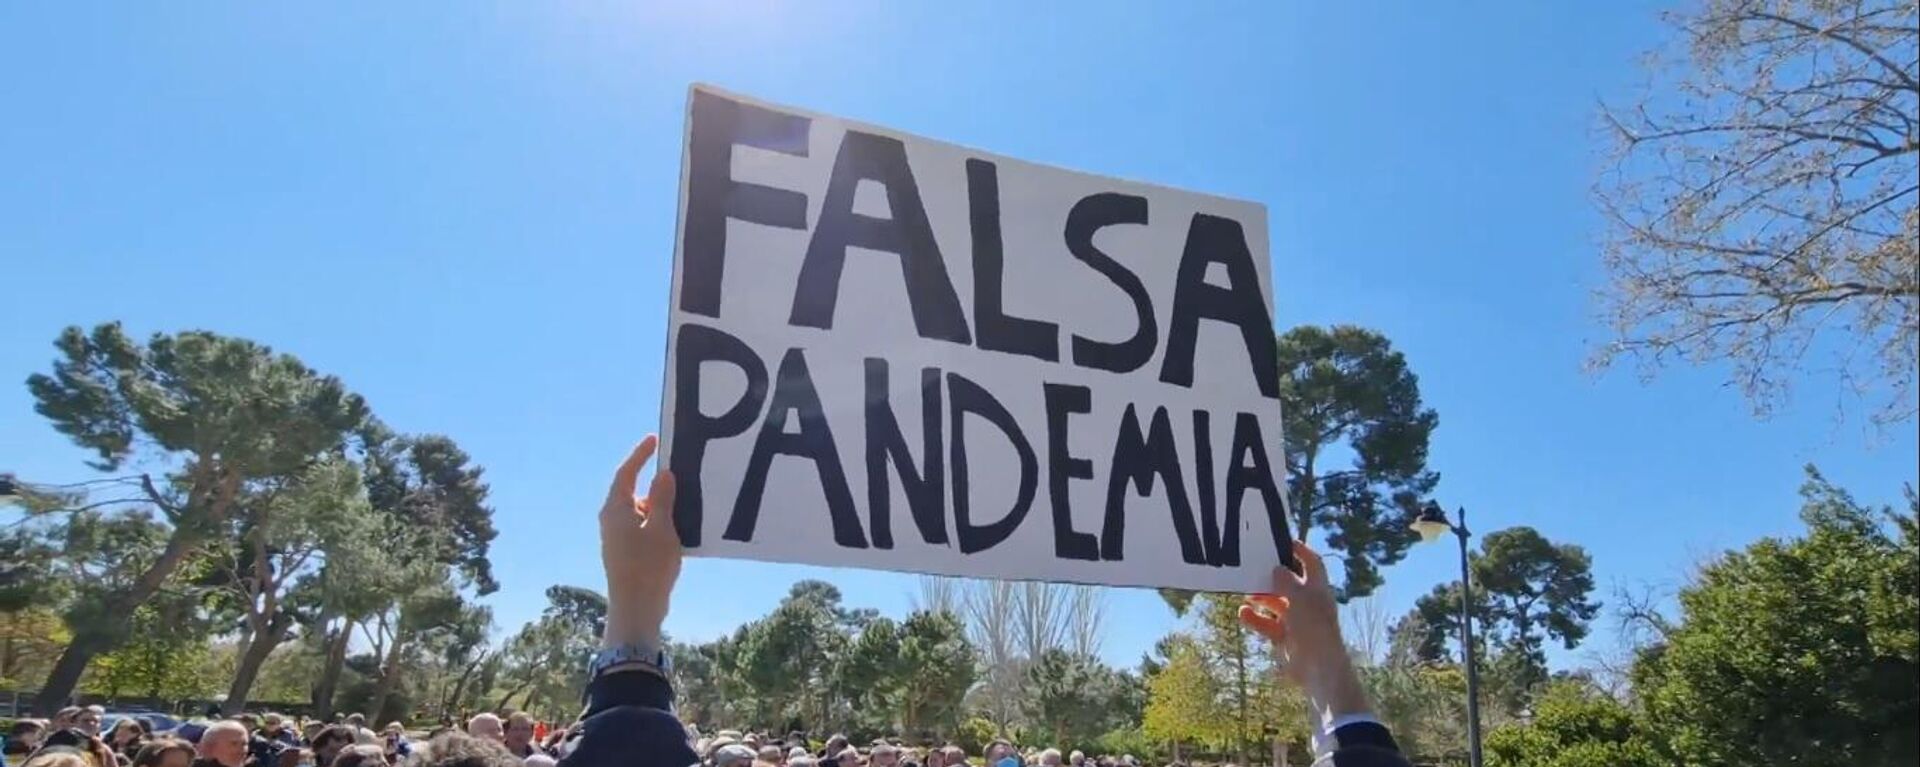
<point x="1432" y="522"/>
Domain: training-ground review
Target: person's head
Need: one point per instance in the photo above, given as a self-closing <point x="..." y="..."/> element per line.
<point x="64" y="718"/>
<point x="936" y="757"/>
<point x="27" y="732"/>
<point x="90" y="747"/>
<point x="357" y="719"/>
<point x="771" y="754"/>
<point x="330" y="741"/>
<point x="225" y="742"/>
<point x="250" y="721"/>
<point x="952" y="756"/>
<point x="1076" y="758"/>
<point x="164" y="752"/>
<point x="88" y="720"/>
<point x="518" y="731"/>
<point x="1000" y="749"/>
<point x="125" y="731"/>
<point x="64" y="756"/>
<point x="360" y="755"/>
<point x="486" y="726"/>
<point x="733" y="755"/>
<point x="883" y="755"/>
<point x="461" y="750"/>
<point x="1049" y="758"/>
<point x="271" y="722"/>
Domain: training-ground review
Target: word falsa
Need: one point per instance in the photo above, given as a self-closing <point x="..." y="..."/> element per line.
<point x="1116" y="351"/>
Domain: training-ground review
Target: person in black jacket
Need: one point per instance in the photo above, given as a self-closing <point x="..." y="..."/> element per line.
<point x="629" y="719"/>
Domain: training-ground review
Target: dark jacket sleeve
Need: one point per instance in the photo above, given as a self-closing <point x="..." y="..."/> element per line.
<point x="629" y="722"/>
<point x="1363" y="744"/>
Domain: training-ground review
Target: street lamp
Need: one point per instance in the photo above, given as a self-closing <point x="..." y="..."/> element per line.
<point x="1431" y="524"/>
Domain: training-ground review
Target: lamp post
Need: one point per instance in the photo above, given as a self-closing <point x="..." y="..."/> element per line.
<point x="1431" y="524"/>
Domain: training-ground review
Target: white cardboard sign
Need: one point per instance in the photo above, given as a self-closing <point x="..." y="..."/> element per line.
<point x="891" y="352"/>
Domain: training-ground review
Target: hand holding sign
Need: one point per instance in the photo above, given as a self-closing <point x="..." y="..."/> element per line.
<point x="1301" y="618"/>
<point x="640" y="550"/>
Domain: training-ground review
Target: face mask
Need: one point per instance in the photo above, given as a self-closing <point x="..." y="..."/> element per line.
<point x="1007" y="761"/>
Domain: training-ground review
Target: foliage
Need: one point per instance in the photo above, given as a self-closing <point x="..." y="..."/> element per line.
<point x="786" y="660"/>
<point x="1765" y="195"/>
<point x="1574" y="727"/>
<point x="1222" y="689"/>
<point x="543" y="662"/>
<point x="165" y="656"/>
<point x="30" y="639"/>
<point x="1064" y="697"/>
<point x="430" y="484"/>
<point x="1131" y="741"/>
<point x="1345" y="391"/>
<point x="937" y="667"/>
<point x="1182" y="698"/>
<point x="1798" y="651"/>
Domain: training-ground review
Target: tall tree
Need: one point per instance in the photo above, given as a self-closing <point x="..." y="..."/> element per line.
<point x="867" y="675"/>
<point x="542" y="661"/>
<point x="1765" y="196"/>
<point x="1345" y="391"/>
<point x="1061" y="699"/>
<point x="283" y="533"/>
<point x="423" y="615"/>
<point x="226" y="413"/>
<point x="429" y="496"/>
<point x="1182" y="699"/>
<point x="355" y="584"/>
<point x="786" y="659"/>
<point x="1255" y="704"/>
<point x="1527" y="589"/>
<point x="937" y="667"/>
<point x="1803" y="651"/>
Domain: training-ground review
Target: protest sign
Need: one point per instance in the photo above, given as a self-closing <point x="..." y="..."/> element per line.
<point x="891" y="352"/>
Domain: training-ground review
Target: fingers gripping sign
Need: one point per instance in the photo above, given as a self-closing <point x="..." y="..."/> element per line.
<point x="639" y="548"/>
<point x="1299" y="616"/>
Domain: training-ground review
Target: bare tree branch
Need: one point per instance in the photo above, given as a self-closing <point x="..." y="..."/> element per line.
<point x="1754" y="217"/>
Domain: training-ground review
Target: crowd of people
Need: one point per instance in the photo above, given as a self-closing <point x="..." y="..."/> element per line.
<point x="628" y="720"/>
<point x="75" y="737"/>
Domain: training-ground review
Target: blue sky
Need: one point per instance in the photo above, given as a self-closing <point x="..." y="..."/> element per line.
<point x="466" y="212"/>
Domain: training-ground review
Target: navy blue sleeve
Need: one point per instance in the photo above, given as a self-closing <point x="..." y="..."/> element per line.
<point x="1363" y="744"/>
<point x="629" y="722"/>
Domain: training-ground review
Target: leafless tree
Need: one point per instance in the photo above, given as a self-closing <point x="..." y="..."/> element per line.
<point x="1040" y="609"/>
<point x="992" y="614"/>
<point x="1762" y="199"/>
<point x="1086" y="619"/>
<point x="1368" y="629"/>
<point x="1013" y="622"/>
<point x="939" y="593"/>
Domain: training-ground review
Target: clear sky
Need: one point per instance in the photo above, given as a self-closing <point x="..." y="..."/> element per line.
<point x="466" y="211"/>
